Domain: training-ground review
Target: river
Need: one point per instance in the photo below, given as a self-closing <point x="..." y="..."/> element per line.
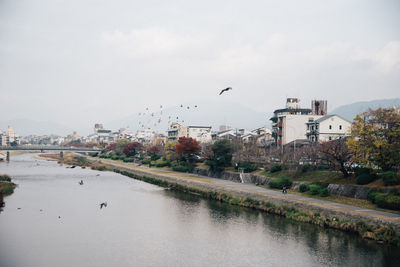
<point x="51" y="220"/>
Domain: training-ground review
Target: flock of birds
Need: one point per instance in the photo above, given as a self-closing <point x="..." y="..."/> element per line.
<point x="150" y="117"/>
<point x="159" y="119"/>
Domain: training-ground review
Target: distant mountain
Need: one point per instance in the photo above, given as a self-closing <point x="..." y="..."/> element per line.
<point x="201" y="113"/>
<point x="27" y="127"/>
<point x="350" y="111"/>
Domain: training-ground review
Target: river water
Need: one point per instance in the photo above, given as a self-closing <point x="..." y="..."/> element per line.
<point x="51" y="220"/>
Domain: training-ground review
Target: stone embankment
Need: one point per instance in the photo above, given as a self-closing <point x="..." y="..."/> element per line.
<point x="352" y="191"/>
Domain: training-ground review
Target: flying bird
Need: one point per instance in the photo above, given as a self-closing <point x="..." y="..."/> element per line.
<point x="224" y="90"/>
<point x="104" y="204"/>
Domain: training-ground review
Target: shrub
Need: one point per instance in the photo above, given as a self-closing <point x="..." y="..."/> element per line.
<point x="315" y="189"/>
<point x="306" y="168"/>
<point x="180" y="168"/>
<point x="155" y="157"/>
<point x="247" y="166"/>
<point x="304" y="188"/>
<point x="93" y="154"/>
<point x="114" y="157"/>
<point x="387" y="201"/>
<point x="362" y="170"/>
<point x="280" y="182"/>
<point x="365" y="178"/>
<point x="371" y="196"/>
<point x="275" y="168"/>
<point x="324" y="192"/>
<point x="145" y="161"/>
<point x="390" y="178"/>
<point x="81" y="160"/>
<point x="128" y="159"/>
<point x="5" y="177"/>
<point x="392" y="202"/>
<point x="162" y="163"/>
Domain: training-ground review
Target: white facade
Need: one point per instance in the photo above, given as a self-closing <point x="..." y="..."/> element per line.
<point x="294" y="127"/>
<point x="200" y="133"/>
<point x="328" y="128"/>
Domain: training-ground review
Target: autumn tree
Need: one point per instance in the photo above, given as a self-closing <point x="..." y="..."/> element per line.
<point x="131" y="149"/>
<point x="111" y="147"/>
<point x="337" y="154"/>
<point x="169" y="150"/>
<point x="220" y="156"/>
<point x="375" y="138"/>
<point x="187" y="148"/>
<point x="155" y="151"/>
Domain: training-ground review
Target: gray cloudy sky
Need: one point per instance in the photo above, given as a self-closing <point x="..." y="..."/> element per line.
<point x="78" y="62"/>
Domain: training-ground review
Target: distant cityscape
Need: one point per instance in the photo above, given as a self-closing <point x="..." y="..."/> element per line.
<point x="290" y="124"/>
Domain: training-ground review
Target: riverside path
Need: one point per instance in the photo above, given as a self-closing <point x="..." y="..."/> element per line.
<point x="259" y="192"/>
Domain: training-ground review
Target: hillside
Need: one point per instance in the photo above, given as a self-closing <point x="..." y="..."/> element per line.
<point x="351" y="110"/>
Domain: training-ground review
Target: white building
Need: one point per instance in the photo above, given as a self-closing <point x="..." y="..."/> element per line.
<point x="9" y="137"/>
<point x="328" y="128"/>
<point x="200" y="133"/>
<point x="290" y="123"/>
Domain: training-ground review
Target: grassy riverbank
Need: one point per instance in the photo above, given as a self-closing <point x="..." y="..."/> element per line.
<point x="380" y="232"/>
<point x="6" y="186"/>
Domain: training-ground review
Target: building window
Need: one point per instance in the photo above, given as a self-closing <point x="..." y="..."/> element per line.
<point x="340" y="127"/>
<point x="330" y="138"/>
<point x="330" y="127"/>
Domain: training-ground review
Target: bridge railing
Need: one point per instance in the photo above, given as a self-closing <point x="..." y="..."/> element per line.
<point x="6" y="148"/>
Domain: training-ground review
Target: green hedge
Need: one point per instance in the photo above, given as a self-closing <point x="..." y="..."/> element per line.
<point x="128" y="159"/>
<point x="275" y="168"/>
<point x="315" y="189"/>
<point x="145" y="161"/>
<point x="390" y="178"/>
<point x="319" y="189"/>
<point x="162" y="163"/>
<point x="385" y="200"/>
<point x="365" y="178"/>
<point x="280" y="182"/>
<point x="247" y="166"/>
<point x="324" y="192"/>
<point x="304" y="188"/>
<point x="180" y="168"/>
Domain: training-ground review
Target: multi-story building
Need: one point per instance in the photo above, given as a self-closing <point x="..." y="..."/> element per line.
<point x="3" y="139"/>
<point x="328" y="128"/>
<point x="12" y="136"/>
<point x="289" y="124"/>
<point x="9" y="137"/>
<point x="200" y="133"/>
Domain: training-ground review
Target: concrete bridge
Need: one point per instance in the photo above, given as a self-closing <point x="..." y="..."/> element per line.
<point x="47" y="148"/>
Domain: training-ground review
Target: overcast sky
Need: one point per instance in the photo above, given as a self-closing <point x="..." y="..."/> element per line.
<point x="78" y="62"/>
